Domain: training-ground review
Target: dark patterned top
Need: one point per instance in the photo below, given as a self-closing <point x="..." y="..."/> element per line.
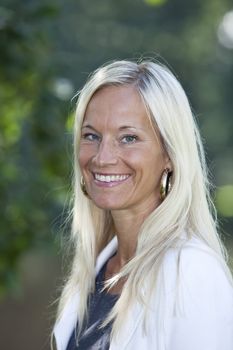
<point x="93" y="337"/>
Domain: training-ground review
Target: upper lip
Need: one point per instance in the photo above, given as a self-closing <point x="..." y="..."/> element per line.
<point x="108" y="174"/>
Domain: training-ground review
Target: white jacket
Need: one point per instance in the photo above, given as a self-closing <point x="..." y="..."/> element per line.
<point x="201" y="320"/>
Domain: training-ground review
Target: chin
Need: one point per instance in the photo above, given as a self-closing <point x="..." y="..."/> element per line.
<point x="107" y="204"/>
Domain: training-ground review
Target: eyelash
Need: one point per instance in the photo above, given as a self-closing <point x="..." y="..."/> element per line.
<point x="93" y="137"/>
<point x="90" y="136"/>
<point x="135" y="138"/>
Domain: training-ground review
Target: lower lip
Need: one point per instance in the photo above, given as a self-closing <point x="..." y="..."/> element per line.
<point x="110" y="184"/>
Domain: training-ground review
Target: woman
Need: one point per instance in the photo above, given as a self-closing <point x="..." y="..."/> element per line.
<point x="148" y="270"/>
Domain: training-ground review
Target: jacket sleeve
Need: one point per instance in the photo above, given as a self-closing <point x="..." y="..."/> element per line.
<point x="204" y="316"/>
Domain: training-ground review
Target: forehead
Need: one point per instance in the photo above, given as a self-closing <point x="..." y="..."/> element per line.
<point x="117" y="105"/>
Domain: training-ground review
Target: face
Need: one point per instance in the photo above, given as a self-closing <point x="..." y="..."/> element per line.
<point x="120" y="155"/>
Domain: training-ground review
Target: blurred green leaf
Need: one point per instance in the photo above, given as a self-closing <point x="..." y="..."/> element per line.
<point x="155" y="2"/>
<point x="49" y="10"/>
<point x="224" y="200"/>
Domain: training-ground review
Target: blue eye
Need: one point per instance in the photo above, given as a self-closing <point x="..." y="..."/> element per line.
<point x="129" y="139"/>
<point x="91" y="137"/>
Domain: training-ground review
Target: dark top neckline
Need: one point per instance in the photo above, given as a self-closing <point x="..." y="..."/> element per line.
<point x="100" y="304"/>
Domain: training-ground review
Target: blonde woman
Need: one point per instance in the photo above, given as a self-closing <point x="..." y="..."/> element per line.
<point x="148" y="269"/>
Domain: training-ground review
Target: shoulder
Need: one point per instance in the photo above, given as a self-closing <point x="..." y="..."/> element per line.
<point x="198" y="298"/>
<point x="200" y="277"/>
<point x="199" y="263"/>
<point x="196" y="257"/>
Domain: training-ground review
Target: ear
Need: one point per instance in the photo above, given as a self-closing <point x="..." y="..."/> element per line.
<point x="168" y="163"/>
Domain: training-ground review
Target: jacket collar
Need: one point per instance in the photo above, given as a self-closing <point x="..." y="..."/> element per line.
<point x="65" y="325"/>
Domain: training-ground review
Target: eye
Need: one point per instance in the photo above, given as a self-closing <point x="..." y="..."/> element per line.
<point x="129" y="138"/>
<point x="91" y="136"/>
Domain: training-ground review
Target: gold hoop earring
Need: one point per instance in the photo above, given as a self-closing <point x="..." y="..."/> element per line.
<point x="83" y="186"/>
<point x="165" y="185"/>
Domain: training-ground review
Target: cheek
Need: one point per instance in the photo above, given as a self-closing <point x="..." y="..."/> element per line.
<point x="84" y="156"/>
<point x="80" y="162"/>
<point x="152" y="168"/>
<point x="147" y="160"/>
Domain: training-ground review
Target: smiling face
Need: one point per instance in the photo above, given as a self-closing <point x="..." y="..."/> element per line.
<point x="120" y="155"/>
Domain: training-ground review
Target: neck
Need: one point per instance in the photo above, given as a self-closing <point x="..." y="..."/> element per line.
<point x="127" y="225"/>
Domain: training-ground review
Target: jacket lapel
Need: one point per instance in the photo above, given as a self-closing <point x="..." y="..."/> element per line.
<point x="67" y="322"/>
<point x="129" y="329"/>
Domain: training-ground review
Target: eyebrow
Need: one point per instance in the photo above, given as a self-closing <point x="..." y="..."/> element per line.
<point x="127" y="127"/>
<point x="88" y="126"/>
<point x="123" y="127"/>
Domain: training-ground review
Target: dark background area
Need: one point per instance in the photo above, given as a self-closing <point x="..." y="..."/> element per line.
<point x="47" y="50"/>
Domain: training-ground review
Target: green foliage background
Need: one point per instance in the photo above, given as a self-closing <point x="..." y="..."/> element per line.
<point x="47" y="50"/>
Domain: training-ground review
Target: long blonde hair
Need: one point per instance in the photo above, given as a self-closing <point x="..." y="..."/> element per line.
<point x="187" y="207"/>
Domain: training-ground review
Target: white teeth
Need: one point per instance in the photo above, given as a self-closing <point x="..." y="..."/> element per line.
<point x="110" y="178"/>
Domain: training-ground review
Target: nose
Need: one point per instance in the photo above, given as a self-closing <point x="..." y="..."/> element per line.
<point x="106" y="154"/>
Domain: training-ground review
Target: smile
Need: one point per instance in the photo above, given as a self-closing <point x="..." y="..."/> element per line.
<point x="110" y="178"/>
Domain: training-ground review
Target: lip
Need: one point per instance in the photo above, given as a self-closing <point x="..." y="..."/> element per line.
<point x="109" y="182"/>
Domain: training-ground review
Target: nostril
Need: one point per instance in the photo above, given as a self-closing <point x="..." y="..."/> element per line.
<point x="105" y="156"/>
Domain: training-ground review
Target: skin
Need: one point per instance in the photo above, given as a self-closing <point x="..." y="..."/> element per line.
<point x="118" y="139"/>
